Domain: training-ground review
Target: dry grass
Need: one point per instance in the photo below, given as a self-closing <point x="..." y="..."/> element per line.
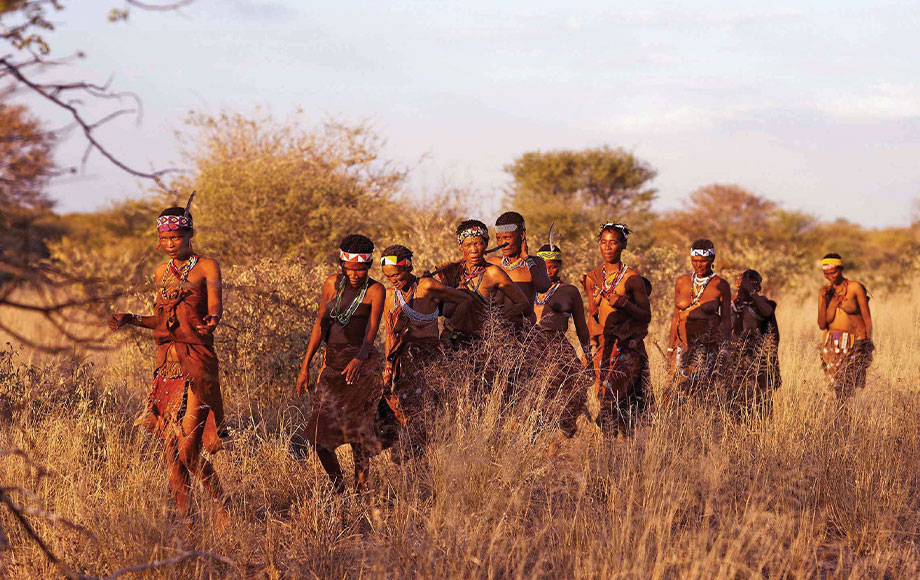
<point x="815" y="491"/>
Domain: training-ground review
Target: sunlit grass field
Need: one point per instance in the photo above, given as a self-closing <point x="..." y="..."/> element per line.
<point x="816" y="490"/>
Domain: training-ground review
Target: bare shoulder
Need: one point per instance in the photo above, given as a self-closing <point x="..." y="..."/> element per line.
<point x="209" y="265"/>
<point x="722" y="284"/>
<point x="161" y="269"/>
<point x="633" y="278"/>
<point x="427" y="284"/>
<point x="859" y="288"/>
<point x="570" y="290"/>
<point x="494" y="260"/>
<point x="330" y="282"/>
<point x="376" y="289"/>
<point x="682" y="281"/>
<point x="496" y="273"/>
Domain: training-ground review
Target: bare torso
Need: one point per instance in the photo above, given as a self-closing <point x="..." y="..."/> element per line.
<point x="556" y="311"/>
<point x="613" y="320"/>
<point x="418" y="302"/>
<point x="847" y="316"/>
<point x="695" y="304"/>
<point x="197" y="278"/>
<point x="519" y="273"/>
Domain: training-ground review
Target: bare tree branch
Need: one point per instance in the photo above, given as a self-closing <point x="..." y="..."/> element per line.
<point x="13" y="508"/>
<point x="169" y="562"/>
<point x="39" y="469"/>
<point x="52" y="93"/>
<point x="42" y="513"/>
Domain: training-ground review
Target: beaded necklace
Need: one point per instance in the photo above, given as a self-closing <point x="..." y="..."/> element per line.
<point x="543" y="298"/>
<point x="842" y="295"/>
<point x="343" y="317"/>
<point x="699" y="286"/>
<point x="467" y="277"/>
<point x="615" y="279"/>
<point x="411" y="313"/>
<point x="517" y="264"/>
<point x="180" y="275"/>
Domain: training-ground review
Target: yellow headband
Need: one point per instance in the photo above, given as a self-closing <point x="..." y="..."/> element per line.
<point x="394" y="261"/>
<point x="557" y="256"/>
<point x="831" y="263"/>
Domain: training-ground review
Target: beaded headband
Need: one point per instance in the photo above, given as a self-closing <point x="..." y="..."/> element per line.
<point x="356" y="258"/>
<point x="505" y="228"/>
<point x="624" y="229"/>
<point x="167" y="223"/>
<point x="831" y="263"/>
<point x="473" y="231"/>
<point x="704" y="253"/>
<point x="554" y="254"/>
<point x="394" y="261"/>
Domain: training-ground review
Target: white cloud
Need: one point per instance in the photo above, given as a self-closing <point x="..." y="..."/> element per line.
<point x="882" y="102"/>
<point x="670" y="119"/>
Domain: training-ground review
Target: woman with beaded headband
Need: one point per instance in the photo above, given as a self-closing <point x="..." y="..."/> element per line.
<point x="184" y="408"/>
<point x="488" y="284"/>
<point x="410" y="315"/>
<point x="845" y="318"/>
<point x="554" y="356"/>
<point x="619" y="315"/>
<point x="344" y="400"/>
<point x="701" y="327"/>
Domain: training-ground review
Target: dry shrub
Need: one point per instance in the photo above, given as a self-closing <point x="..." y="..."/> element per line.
<point x="285" y="189"/>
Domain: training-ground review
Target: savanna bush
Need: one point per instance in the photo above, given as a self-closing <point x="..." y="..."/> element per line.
<point x="286" y="189"/>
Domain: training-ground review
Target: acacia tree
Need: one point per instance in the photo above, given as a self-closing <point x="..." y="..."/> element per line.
<point x="579" y="188"/>
<point x="749" y="231"/>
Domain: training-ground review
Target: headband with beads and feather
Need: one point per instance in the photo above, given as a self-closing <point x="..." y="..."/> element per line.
<point x="167" y="223"/>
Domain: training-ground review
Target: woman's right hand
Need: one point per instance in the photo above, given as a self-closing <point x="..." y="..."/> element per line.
<point x="118" y="320"/>
<point x="303" y="379"/>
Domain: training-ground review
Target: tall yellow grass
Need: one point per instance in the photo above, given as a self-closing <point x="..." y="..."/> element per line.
<point x="817" y="490"/>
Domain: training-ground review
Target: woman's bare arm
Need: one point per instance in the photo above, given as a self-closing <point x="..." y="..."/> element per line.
<point x="120" y="319"/>
<point x="725" y="310"/>
<point x="763" y="306"/>
<point x="675" y="320"/>
<point x="436" y="289"/>
<point x="214" y="287"/>
<point x="316" y="336"/>
<point x="639" y="307"/>
<point x="520" y="304"/>
<point x="377" y="295"/>
<point x="863" y="300"/>
<point x="581" y="323"/>
<point x="538" y="275"/>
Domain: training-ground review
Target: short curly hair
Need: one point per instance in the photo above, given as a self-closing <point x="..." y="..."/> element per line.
<point x="357" y="244"/>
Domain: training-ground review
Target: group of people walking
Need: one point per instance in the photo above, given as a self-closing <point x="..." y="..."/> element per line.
<point x="373" y="400"/>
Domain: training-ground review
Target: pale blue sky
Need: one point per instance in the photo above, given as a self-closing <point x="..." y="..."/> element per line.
<point x="816" y="106"/>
